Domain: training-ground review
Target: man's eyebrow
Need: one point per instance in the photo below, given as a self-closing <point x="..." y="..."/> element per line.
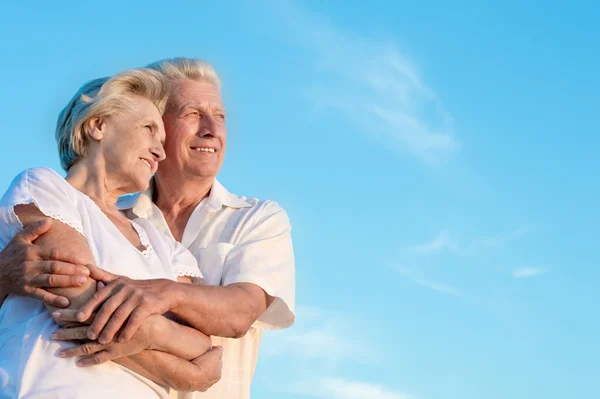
<point x="203" y="107"/>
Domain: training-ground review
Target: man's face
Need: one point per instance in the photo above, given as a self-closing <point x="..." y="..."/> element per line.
<point x="196" y="133"/>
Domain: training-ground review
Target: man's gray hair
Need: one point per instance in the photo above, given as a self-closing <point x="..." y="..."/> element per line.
<point x="182" y="68"/>
<point x="101" y="98"/>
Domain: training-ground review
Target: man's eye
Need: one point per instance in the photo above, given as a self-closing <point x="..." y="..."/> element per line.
<point x="149" y="127"/>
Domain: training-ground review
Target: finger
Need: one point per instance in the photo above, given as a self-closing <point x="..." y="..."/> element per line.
<point x="82" y="350"/>
<point x="133" y="324"/>
<point x="68" y="334"/>
<point x="99" y="274"/>
<point x="34" y="230"/>
<point x="117" y="320"/>
<point x="98" y="358"/>
<point x="71" y="315"/>
<point x="58" y="281"/>
<point x="64" y="256"/>
<point x="53" y="266"/>
<point x="106" y="312"/>
<point x="49" y="298"/>
<point x="94" y="303"/>
<point x="65" y="315"/>
<point x="100" y="285"/>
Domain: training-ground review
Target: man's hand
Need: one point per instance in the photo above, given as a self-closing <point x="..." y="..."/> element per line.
<point x="92" y="353"/>
<point x="121" y="301"/>
<point x="27" y="269"/>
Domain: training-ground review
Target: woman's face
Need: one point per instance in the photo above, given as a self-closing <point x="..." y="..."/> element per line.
<point x="132" y="145"/>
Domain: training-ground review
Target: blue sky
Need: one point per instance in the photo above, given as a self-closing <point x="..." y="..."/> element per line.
<point x="438" y="162"/>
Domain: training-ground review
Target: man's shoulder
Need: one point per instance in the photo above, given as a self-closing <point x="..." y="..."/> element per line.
<point x="267" y="213"/>
<point x="263" y="206"/>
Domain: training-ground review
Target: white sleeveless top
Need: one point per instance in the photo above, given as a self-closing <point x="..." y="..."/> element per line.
<point x="29" y="365"/>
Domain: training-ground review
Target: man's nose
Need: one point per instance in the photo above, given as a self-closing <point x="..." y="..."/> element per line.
<point x="208" y="127"/>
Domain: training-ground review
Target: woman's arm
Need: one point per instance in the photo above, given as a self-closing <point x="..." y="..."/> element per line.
<point x="162" y="350"/>
<point x="165" y="366"/>
<point x="199" y="374"/>
<point x="156" y="333"/>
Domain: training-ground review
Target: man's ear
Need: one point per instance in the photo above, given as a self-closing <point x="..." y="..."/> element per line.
<point x="95" y="128"/>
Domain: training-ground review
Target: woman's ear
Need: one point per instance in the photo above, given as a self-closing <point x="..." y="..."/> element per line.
<point x="95" y="128"/>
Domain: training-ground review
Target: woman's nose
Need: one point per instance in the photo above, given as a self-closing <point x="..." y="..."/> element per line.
<point x="159" y="153"/>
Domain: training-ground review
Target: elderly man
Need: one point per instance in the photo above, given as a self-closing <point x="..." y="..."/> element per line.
<point x="243" y="247"/>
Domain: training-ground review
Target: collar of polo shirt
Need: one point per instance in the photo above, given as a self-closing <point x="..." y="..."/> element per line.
<point x="141" y="203"/>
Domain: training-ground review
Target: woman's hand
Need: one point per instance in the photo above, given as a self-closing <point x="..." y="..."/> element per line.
<point x="92" y="353"/>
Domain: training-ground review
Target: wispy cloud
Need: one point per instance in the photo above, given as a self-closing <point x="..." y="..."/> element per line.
<point x="527" y="271"/>
<point x="335" y="388"/>
<point x="374" y="85"/>
<point x="320" y="335"/>
<point x="444" y="241"/>
<point x="433" y="285"/>
<point x="342" y="388"/>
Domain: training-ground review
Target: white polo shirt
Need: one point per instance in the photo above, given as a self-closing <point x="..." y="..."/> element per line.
<point x="235" y="239"/>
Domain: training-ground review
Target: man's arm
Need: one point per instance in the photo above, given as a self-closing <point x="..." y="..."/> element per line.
<point x="258" y="269"/>
<point x="27" y="269"/>
<point x="221" y="311"/>
<point x="58" y="234"/>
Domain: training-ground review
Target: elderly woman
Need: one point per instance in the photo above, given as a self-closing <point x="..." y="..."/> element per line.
<point x="110" y="139"/>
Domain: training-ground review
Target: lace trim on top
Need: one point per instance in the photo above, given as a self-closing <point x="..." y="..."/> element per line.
<point x="49" y="212"/>
<point x="148" y="251"/>
<point x="181" y="271"/>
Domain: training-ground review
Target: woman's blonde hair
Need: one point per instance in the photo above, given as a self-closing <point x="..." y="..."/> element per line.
<point x="100" y="98"/>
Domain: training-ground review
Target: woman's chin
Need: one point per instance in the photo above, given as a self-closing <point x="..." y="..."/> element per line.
<point x="143" y="186"/>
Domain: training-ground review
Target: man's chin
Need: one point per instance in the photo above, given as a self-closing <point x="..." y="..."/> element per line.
<point x="203" y="171"/>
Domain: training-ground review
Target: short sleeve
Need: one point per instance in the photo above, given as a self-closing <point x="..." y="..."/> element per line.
<point x="265" y="257"/>
<point x="45" y="188"/>
<point x="184" y="263"/>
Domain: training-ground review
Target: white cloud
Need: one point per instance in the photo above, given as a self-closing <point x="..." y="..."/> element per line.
<point x="376" y="87"/>
<point x="440" y="287"/>
<point x="343" y="388"/>
<point x="320" y="335"/>
<point x="434" y="285"/>
<point x="439" y="242"/>
<point x="443" y="241"/>
<point x="337" y="388"/>
<point x="527" y="271"/>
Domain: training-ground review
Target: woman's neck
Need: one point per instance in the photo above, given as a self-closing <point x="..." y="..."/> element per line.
<point x="89" y="176"/>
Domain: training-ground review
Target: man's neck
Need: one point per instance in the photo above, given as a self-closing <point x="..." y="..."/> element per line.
<point x="177" y="198"/>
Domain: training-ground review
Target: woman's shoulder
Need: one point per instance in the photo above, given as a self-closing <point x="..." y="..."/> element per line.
<point x="39" y="175"/>
<point x="37" y="182"/>
<point x="42" y="172"/>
